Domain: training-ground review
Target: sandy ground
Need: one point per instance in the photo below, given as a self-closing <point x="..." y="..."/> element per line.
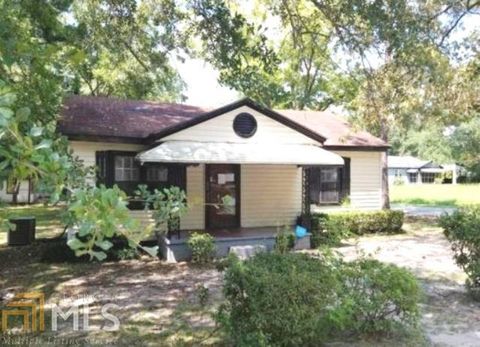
<point x="449" y="316"/>
<point x="157" y="303"/>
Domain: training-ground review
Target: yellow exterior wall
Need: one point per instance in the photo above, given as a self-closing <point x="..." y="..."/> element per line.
<point x="270" y="195"/>
<point x="194" y="218"/>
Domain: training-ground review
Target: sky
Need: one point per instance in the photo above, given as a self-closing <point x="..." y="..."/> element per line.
<point x="203" y="88"/>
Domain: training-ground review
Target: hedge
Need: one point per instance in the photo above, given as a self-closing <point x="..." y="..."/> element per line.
<point x="333" y="227"/>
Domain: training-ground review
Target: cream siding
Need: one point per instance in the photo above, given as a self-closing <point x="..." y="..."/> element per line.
<point x="195" y="216"/>
<point x="220" y="129"/>
<point x="270" y="195"/>
<point x="85" y="151"/>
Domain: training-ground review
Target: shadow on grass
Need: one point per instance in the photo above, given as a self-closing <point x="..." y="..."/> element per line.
<point x="156" y="302"/>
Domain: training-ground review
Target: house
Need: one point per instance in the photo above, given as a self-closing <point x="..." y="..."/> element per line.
<point x="408" y="170"/>
<point x="246" y="169"/>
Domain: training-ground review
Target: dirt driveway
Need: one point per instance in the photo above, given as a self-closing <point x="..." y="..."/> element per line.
<point x="449" y="317"/>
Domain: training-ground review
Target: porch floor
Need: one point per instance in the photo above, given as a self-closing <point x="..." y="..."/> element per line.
<point x="235" y="233"/>
<point x="175" y="248"/>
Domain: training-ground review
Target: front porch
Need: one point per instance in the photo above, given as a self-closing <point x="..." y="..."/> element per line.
<point x="175" y="249"/>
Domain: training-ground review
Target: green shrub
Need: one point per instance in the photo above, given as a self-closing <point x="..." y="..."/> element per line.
<point x="122" y="251"/>
<point x="378" y="297"/>
<point x="328" y="230"/>
<point x="202" y="246"/>
<point x="277" y="299"/>
<point x="203" y="294"/>
<point x="293" y="299"/>
<point x="284" y="240"/>
<point x="462" y="230"/>
<point x="331" y="228"/>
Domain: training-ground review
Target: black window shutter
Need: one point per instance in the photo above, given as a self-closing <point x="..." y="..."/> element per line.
<point x="345" y="176"/>
<point x="110" y="176"/>
<point x="177" y="176"/>
<point x="101" y="163"/>
<point x="105" y="162"/>
<point x="314" y="185"/>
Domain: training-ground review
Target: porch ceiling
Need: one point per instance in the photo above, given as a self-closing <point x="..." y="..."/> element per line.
<point x="239" y="153"/>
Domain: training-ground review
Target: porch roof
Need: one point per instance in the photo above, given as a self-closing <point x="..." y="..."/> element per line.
<point x="239" y="153"/>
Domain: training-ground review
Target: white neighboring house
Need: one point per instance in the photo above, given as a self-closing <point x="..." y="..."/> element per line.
<point x="411" y="170"/>
<point x="24" y="194"/>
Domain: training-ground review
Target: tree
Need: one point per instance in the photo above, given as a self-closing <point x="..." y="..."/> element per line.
<point x="465" y="143"/>
<point x="123" y="49"/>
<point x="293" y="69"/>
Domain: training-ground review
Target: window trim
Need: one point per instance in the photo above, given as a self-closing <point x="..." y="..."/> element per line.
<point x="338" y="182"/>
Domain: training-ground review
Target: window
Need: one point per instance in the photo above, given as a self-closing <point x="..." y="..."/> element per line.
<point x="428" y="177"/>
<point x="412" y="177"/>
<point x="126" y="169"/>
<point x="245" y="125"/>
<point x="329" y="185"/>
<point x="157" y="174"/>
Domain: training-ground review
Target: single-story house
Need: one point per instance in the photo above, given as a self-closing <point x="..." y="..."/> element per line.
<point x="408" y="170"/>
<point x="245" y="168"/>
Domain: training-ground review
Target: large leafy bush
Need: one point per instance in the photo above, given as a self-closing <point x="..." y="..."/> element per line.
<point x="293" y="299"/>
<point x="278" y="299"/>
<point x="167" y="205"/>
<point x="331" y="228"/>
<point x="462" y="229"/>
<point x="99" y="216"/>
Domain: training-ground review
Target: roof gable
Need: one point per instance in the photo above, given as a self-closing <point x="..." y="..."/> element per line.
<point x="105" y="119"/>
<point x="221" y="129"/>
<point x="237" y="106"/>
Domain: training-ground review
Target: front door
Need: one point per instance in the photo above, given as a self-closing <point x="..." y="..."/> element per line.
<point x="222" y="196"/>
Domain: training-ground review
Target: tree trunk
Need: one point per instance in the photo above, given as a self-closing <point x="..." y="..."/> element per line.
<point x="385" y="189"/>
<point x="384" y="164"/>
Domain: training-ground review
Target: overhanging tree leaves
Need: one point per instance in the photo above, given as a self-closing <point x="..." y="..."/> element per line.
<point x="123" y="48"/>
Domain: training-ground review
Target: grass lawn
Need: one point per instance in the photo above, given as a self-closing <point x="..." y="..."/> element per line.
<point x="435" y="194"/>
<point x="47" y="219"/>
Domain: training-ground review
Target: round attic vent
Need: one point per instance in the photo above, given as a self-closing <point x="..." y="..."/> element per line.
<point x="245" y="125"/>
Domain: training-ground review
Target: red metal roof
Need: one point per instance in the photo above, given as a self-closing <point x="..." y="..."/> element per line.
<point x="102" y="118"/>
